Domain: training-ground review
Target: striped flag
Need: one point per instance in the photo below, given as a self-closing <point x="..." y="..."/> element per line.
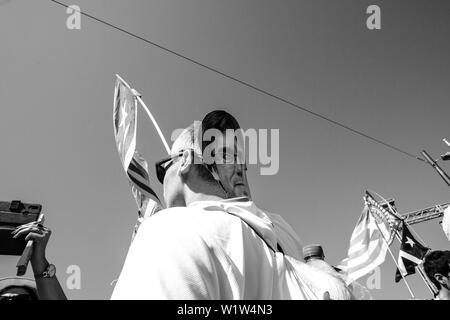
<point x="388" y="217"/>
<point x="135" y="166"/>
<point x="446" y="223"/>
<point x="368" y="244"/>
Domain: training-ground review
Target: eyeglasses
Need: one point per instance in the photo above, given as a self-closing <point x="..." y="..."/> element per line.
<point x="224" y="157"/>
<point x="163" y="165"/>
<point x="229" y="159"/>
<point x="220" y="158"/>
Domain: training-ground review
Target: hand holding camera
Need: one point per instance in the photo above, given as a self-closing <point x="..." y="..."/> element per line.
<point x="40" y="235"/>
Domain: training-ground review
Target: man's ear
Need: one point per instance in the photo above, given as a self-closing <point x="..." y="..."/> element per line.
<point x="186" y="162"/>
<point x="439" y="278"/>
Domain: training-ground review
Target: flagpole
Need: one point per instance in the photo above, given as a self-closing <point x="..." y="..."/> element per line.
<point x="138" y="97"/>
<point x="391" y="210"/>
<point x="155" y="124"/>
<point x="393" y="258"/>
<point x="418" y="269"/>
<point x="434" y="164"/>
<point x="392" y="255"/>
<point x="423" y="276"/>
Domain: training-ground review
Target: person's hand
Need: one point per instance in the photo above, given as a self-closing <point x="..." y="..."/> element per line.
<point x="40" y="234"/>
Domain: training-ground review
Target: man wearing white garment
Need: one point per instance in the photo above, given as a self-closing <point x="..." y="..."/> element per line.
<point x="234" y="178"/>
<point x="205" y="246"/>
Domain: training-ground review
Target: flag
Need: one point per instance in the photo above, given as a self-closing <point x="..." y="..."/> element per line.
<point x="135" y="166"/>
<point x="446" y="222"/>
<point x="389" y="216"/>
<point x="368" y="244"/>
<point x="411" y="254"/>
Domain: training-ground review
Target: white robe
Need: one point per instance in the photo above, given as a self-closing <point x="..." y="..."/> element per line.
<point x="219" y="250"/>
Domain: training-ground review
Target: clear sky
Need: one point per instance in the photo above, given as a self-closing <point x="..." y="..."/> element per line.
<point x="56" y="132"/>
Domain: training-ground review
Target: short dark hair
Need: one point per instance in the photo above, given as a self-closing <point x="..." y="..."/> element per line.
<point x="437" y="262"/>
<point x="220" y="120"/>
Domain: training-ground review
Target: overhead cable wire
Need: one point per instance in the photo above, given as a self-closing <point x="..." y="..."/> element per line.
<point x="246" y="84"/>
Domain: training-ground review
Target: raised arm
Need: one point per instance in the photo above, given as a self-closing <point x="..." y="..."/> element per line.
<point x="47" y="284"/>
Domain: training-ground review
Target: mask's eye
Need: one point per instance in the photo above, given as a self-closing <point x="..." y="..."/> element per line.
<point x="228" y="158"/>
<point x="224" y="158"/>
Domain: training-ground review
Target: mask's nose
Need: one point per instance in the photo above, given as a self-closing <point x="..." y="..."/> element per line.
<point x="240" y="168"/>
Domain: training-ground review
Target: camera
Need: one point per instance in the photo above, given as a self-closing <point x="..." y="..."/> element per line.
<point x="12" y="215"/>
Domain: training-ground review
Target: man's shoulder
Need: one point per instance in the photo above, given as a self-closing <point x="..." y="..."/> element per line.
<point x="278" y="220"/>
<point x="286" y="234"/>
<point x="170" y="218"/>
<point x="187" y="220"/>
<point x="187" y="232"/>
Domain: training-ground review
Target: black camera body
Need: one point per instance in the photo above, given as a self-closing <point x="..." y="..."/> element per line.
<point x="12" y="215"/>
<point x="446" y="156"/>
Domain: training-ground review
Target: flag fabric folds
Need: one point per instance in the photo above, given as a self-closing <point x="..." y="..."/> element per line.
<point x="446" y="222"/>
<point x="388" y="216"/>
<point x="411" y="254"/>
<point x="368" y="243"/>
<point x="135" y="166"/>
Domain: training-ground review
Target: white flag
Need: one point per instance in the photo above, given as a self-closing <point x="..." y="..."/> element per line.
<point x="446" y="222"/>
<point x="135" y="166"/>
<point x="368" y="246"/>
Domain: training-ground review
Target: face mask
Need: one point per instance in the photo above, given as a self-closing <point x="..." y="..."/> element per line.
<point x="214" y="174"/>
<point x="217" y="179"/>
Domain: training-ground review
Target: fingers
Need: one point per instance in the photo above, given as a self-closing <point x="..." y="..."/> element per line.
<point x="34" y="229"/>
<point x="23" y="232"/>
<point x="26" y="226"/>
<point x="20" y="228"/>
<point x="34" y="236"/>
<point x="33" y="224"/>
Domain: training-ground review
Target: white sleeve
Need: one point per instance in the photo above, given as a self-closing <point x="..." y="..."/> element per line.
<point x="168" y="261"/>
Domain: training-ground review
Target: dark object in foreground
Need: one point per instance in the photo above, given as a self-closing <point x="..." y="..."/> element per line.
<point x="446" y="156"/>
<point x="12" y="215"/>
<point x="434" y="164"/>
<point x="18" y="289"/>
